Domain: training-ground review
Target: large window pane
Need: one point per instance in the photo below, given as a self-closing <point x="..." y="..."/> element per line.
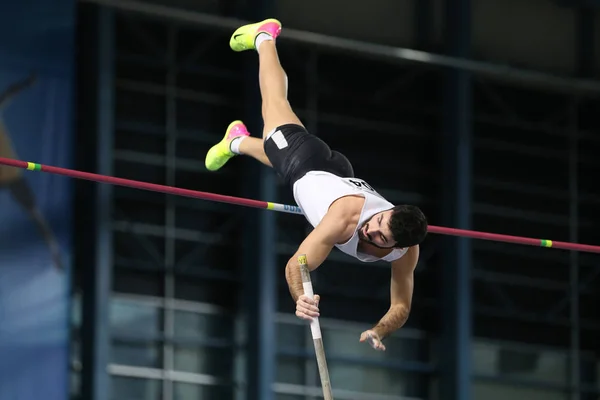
<point x="344" y="342"/>
<point x="291" y="336"/>
<point x="128" y="317"/>
<point x="148" y="283"/>
<point x="291" y="370"/>
<point x="136" y="354"/>
<point x="123" y="388"/>
<point x="202" y="326"/>
<point x="520" y="363"/>
<point x="222" y="293"/>
<point x="189" y="391"/>
<point x="280" y="396"/>
<point x="378" y="380"/>
<point x="498" y="391"/>
<point x="204" y="360"/>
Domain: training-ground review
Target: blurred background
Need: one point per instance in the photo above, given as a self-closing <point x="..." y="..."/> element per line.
<point x="489" y="122"/>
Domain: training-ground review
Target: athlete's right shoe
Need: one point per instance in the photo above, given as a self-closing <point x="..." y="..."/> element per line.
<point x="221" y="152"/>
<point x="243" y="38"/>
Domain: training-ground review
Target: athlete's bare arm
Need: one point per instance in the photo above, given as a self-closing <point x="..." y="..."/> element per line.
<point x="401" y="292"/>
<point x="317" y="246"/>
<point x="335" y="227"/>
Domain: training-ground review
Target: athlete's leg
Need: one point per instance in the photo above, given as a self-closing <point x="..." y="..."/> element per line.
<point x="276" y="109"/>
<point x="253" y="147"/>
<point x="261" y="36"/>
<point x="237" y="140"/>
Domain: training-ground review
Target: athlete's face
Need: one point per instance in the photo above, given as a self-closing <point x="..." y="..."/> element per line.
<point x="377" y="231"/>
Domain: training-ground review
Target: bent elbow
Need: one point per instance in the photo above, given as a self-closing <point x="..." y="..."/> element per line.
<point x="288" y="273"/>
<point x="292" y="273"/>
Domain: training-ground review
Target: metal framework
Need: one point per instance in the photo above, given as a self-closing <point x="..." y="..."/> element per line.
<point x="175" y="87"/>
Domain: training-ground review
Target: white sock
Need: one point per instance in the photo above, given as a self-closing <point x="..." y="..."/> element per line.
<point x="234" y="146"/>
<point x="261" y="37"/>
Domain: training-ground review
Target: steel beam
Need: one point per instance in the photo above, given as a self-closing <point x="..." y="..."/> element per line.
<point x="457" y="147"/>
<point x="260" y="253"/>
<point x="573" y="148"/>
<point x="368" y="49"/>
<point x="585" y="44"/>
<point x="170" y="165"/>
<point x="585" y="59"/>
<point x="98" y="274"/>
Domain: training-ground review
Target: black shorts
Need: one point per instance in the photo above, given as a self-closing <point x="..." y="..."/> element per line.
<point x="293" y="152"/>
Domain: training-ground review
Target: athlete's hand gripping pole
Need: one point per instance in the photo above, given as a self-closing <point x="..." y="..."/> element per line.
<point x="315" y="329"/>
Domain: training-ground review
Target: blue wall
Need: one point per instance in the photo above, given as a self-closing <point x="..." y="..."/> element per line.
<point x="36" y="53"/>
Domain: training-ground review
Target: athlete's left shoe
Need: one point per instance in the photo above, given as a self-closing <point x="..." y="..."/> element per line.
<point x="220" y="153"/>
<point x="243" y="38"/>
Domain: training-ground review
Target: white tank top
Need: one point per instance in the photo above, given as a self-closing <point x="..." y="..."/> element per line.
<point x="317" y="190"/>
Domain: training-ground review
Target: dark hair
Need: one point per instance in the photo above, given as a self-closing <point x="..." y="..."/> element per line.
<point x="408" y="225"/>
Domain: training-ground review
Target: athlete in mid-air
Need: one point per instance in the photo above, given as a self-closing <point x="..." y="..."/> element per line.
<point x="345" y="211"/>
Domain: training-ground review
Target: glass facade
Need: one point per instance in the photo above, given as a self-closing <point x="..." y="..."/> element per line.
<point x="204" y="357"/>
<point x="176" y="323"/>
<point x="205" y="363"/>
